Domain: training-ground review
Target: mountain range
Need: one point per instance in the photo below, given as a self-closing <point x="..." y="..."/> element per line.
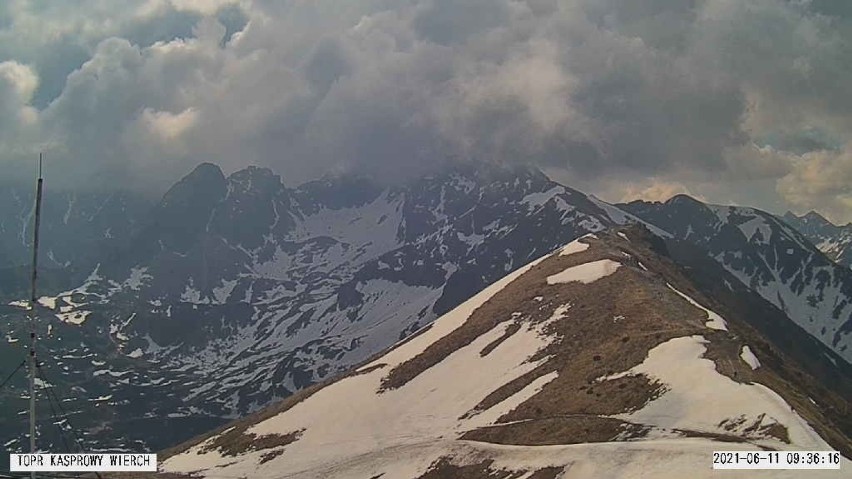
<point x="769" y="256"/>
<point x="603" y="351"/>
<point x="234" y="292"/>
<point x="833" y="240"/>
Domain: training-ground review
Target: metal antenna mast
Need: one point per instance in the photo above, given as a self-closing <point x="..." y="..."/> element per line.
<point x="33" y="313"/>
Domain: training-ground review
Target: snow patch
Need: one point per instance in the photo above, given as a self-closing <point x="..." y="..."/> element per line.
<point x="749" y="358"/>
<point x="573" y="247"/>
<point x="585" y="273"/>
<point x="137" y="278"/>
<point x="41" y="384"/>
<point x="560" y="312"/>
<point x="48" y="302"/>
<point x="74" y="317"/>
<point x="223" y="292"/>
<point x="190" y="294"/>
<point x="752" y="226"/>
<point x="536" y="200"/>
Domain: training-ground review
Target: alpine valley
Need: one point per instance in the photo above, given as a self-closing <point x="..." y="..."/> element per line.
<point x="161" y="321"/>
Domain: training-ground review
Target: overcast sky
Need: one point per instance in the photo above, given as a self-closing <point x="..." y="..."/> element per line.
<point x="746" y="102"/>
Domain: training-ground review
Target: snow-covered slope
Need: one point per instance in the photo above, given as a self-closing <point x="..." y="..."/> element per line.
<point x="613" y="371"/>
<point x="833" y="240"/>
<point x="770" y="257"/>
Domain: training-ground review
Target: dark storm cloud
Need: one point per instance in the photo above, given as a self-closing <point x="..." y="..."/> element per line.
<point x="642" y="95"/>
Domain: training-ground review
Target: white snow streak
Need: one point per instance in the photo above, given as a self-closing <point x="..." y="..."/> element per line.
<point x="749" y="358"/>
<point x="536" y="200"/>
<point x="715" y="321"/>
<point x="585" y="273"/>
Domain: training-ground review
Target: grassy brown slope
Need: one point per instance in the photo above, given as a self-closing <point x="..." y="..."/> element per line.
<point x="628" y="292"/>
<point x="592" y="345"/>
<point x="610" y="327"/>
<point x="445" y="469"/>
<point x="568" y="429"/>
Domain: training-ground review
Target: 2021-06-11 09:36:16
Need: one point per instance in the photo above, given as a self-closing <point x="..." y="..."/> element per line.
<point x="773" y="459"/>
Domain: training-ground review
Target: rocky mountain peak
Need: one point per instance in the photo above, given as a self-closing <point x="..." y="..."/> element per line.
<point x="204" y="178"/>
<point x="814" y="217"/>
<point x="683" y="199"/>
<point x="810" y="220"/>
<point x="185" y="209"/>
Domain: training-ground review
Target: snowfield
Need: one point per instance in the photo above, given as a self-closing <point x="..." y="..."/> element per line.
<point x="698" y="398"/>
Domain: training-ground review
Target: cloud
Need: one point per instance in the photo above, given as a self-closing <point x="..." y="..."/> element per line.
<point x="17" y="118"/>
<point x="21" y="78"/>
<point x="662" y="95"/>
<point x="168" y="126"/>
<point x="820" y="181"/>
<point x="753" y="162"/>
